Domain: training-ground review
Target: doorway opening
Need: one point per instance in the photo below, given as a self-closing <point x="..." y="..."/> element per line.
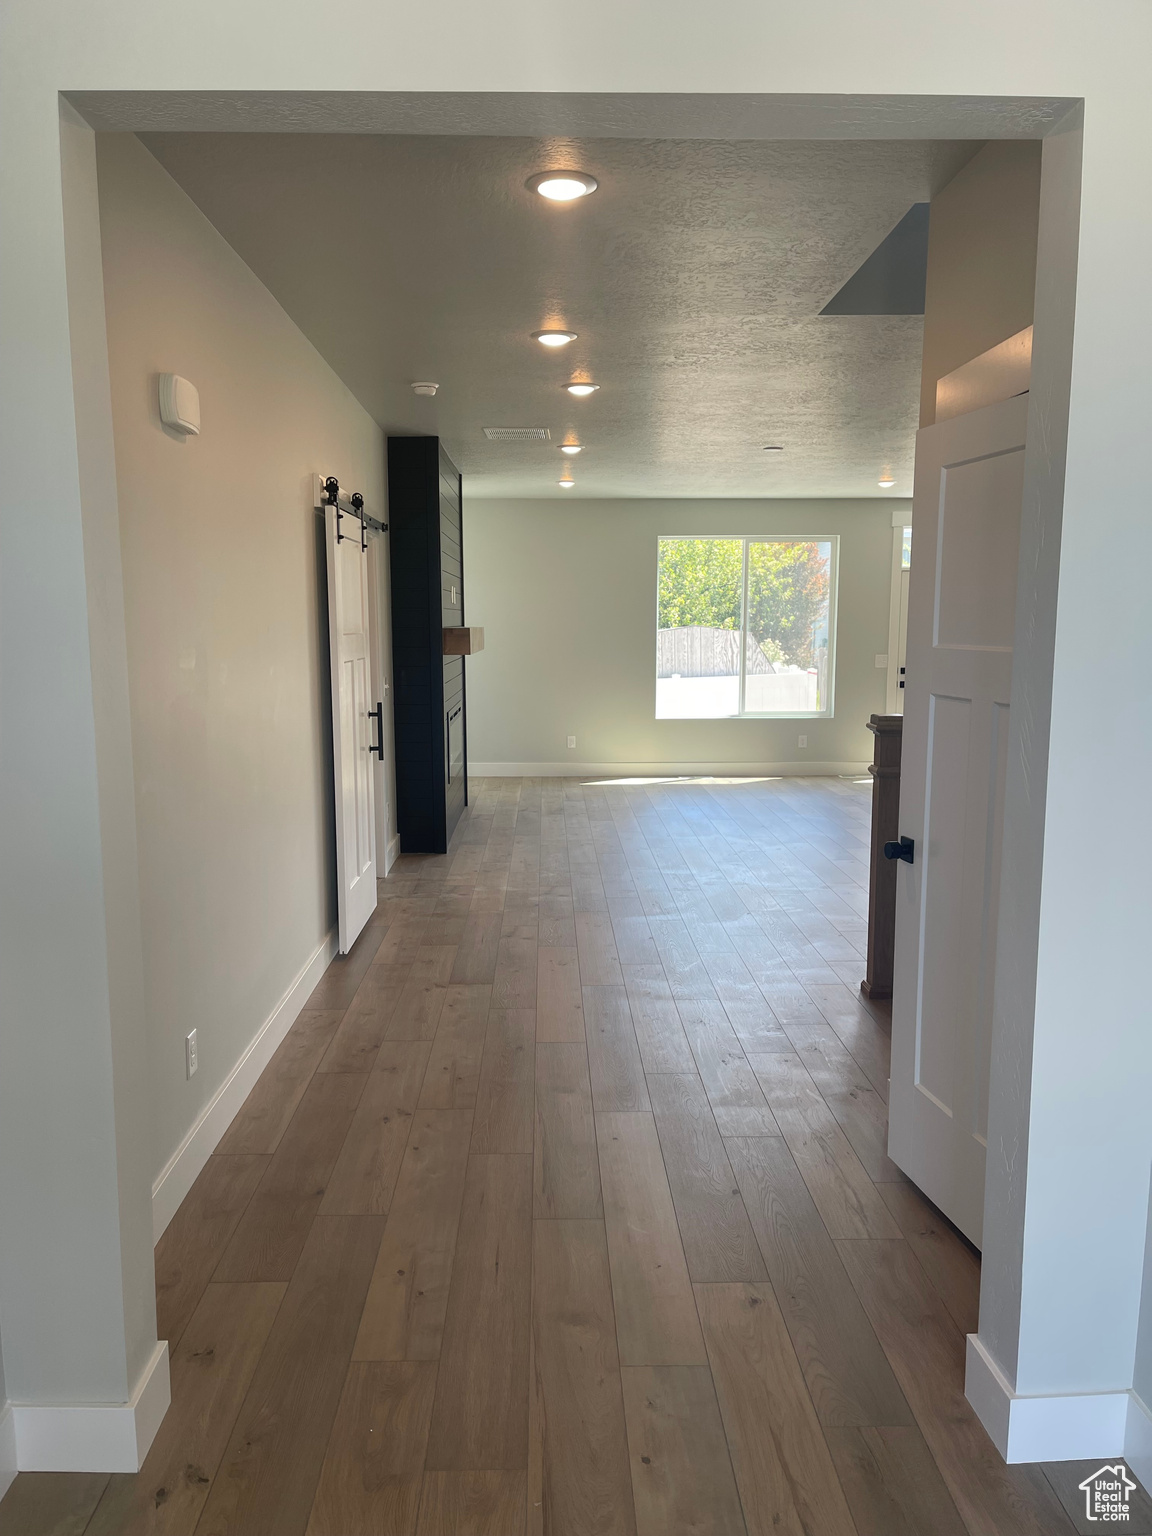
<point x="689" y="942"/>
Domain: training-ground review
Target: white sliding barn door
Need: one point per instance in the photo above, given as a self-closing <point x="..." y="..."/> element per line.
<point x="350" y="639"/>
<point x="961" y="619"/>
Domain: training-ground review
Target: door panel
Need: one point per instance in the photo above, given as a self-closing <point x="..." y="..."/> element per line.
<point x="979" y="521"/>
<point x="998" y="773"/>
<point x="961" y="620"/>
<point x="349" y="628"/>
<point x="944" y="838"/>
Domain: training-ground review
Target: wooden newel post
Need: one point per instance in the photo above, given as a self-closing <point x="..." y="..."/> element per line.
<point x="885" y="771"/>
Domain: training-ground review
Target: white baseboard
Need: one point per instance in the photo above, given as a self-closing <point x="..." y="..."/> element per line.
<point x="94" y="1437"/>
<point x="7" y="1448"/>
<point x="568" y="770"/>
<point x="186" y="1162"/>
<point x="1138" y="1439"/>
<point x="393" y="852"/>
<point x="1076" y="1426"/>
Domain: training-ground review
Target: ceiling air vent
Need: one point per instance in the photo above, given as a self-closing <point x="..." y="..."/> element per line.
<point x="517" y="434"/>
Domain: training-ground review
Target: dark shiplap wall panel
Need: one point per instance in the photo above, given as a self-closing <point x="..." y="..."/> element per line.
<point x="427" y="562"/>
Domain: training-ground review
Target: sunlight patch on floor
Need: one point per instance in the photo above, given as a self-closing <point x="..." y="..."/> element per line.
<point x="684" y="778"/>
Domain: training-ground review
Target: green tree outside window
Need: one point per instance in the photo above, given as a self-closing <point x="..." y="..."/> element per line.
<point x="700" y="583"/>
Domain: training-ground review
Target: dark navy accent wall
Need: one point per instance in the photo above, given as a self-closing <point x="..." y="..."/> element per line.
<point x="427" y="562"/>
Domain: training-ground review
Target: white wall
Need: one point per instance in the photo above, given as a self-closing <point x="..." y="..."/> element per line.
<point x="225" y="615"/>
<point x="567" y="597"/>
<point x="77" y="1279"/>
<point x="981" y="260"/>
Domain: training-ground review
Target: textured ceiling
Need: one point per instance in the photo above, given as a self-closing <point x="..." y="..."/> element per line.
<point x="695" y="277"/>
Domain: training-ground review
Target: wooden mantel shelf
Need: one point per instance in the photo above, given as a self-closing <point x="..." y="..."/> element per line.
<point x="462" y="640"/>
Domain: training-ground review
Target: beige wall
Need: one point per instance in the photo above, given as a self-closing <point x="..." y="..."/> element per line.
<point x="223" y="574"/>
<point x="981" y="260"/>
<point x="567" y="598"/>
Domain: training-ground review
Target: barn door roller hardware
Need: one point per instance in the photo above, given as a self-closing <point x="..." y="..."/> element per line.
<point x="329" y="493"/>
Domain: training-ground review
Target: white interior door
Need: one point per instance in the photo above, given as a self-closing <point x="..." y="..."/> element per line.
<point x="961" y="618"/>
<point x="350" y="639"/>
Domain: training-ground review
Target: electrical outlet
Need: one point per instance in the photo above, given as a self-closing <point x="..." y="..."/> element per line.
<point x="191" y="1053"/>
<point x="571" y="742"/>
<point x="881" y="661"/>
<point x="801" y="741"/>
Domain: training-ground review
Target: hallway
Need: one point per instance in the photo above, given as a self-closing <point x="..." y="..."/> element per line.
<point x="564" y="1208"/>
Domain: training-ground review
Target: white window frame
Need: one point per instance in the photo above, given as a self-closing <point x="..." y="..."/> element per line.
<point x="831" y="539"/>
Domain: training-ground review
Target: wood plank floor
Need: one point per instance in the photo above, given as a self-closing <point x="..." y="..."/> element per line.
<point x="564" y="1210"/>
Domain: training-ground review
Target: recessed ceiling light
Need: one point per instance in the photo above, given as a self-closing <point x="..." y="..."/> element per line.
<point x="571" y="447"/>
<point x="554" y="338"/>
<point x="562" y="186"/>
<point x="886" y="481"/>
<point x="581" y="389"/>
<point x="773" y="448"/>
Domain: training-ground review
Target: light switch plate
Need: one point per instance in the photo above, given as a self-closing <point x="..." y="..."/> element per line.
<point x="571" y="742"/>
<point x="881" y="661"/>
<point x="801" y="741"/>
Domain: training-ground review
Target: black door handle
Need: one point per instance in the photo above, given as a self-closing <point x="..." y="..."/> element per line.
<point x="904" y="849"/>
<point x="377" y="746"/>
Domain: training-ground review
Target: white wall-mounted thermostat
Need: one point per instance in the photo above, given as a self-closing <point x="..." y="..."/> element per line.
<point x="179" y="404"/>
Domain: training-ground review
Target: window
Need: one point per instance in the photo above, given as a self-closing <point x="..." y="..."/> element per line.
<point x="906" y="550"/>
<point x="744" y="627"/>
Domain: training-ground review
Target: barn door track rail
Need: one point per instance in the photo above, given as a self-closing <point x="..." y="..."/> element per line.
<point x="330" y="493"/>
